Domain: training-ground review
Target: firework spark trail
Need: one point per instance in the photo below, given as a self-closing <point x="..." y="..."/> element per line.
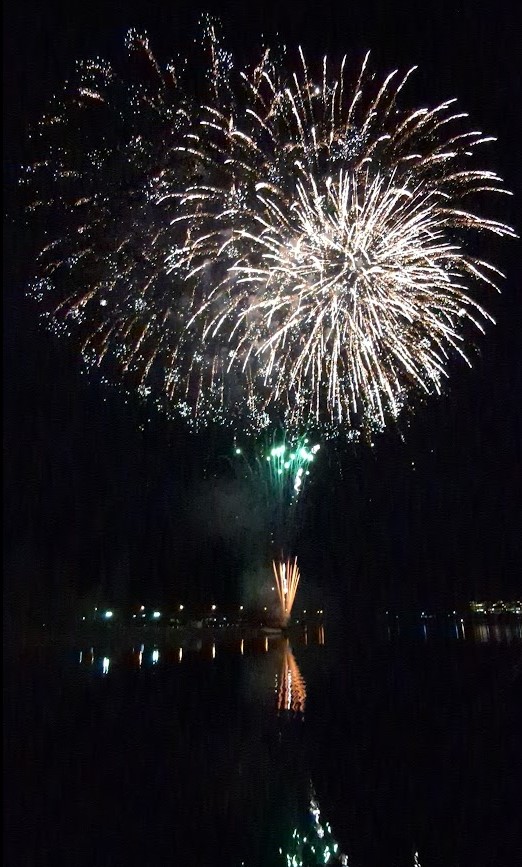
<point x="287" y="576"/>
<point x="293" y="247"/>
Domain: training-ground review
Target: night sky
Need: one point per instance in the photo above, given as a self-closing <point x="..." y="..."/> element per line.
<point x="98" y="497"/>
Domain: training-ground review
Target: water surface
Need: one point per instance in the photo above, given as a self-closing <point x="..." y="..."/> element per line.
<point x="395" y="748"/>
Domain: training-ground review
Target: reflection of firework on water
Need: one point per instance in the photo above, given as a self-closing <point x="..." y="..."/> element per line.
<point x="313" y="842"/>
<point x="290" y="244"/>
<point x="291" y="686"/>
<point x="287" y="579"/>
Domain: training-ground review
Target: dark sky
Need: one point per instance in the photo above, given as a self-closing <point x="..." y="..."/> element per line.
<point x="93" y="499"/>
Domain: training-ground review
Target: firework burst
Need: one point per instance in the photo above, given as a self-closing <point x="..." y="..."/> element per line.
<point x="293" y="247"/>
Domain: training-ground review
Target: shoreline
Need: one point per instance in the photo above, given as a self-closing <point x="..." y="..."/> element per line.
<point x="120" y="636"/>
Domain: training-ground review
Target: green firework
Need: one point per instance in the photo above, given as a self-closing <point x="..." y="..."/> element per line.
<point x="278" y="471"/>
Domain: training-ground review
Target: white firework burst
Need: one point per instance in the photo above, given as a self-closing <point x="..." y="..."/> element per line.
<point x="343" y="281"/>
<point x="298" y="248"/>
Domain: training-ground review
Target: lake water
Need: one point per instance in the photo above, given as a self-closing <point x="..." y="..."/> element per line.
<point x="400" y="748"/>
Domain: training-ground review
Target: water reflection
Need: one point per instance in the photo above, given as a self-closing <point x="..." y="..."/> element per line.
<point x="290" y="688"/>
<point x="456" y="629"/>
<point x="497" y="632"/>
<point x="216" y="731"/>
<point x="290" y="684"/>
<point x="308" y="840"/>
<point x="289" y="680"/>
<point x="312" y="842"/>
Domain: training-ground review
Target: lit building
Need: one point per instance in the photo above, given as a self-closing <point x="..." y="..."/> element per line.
<point x="498" y="607"/>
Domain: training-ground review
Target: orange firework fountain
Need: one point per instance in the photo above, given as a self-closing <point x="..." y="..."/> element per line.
<point x="287" y="578"/>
